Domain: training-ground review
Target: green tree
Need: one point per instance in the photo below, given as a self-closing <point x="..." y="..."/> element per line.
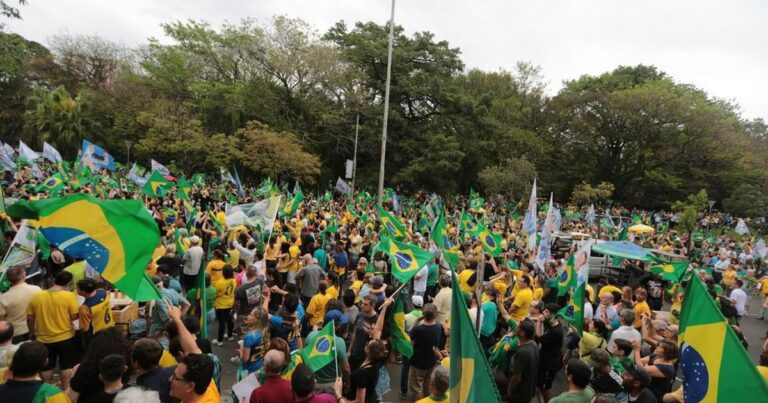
<point x="512" y="178"/>
<point x="58" y="118"/>
<point x="688" y="210"/>
<point x="747" y="201"/>
<point x="9" y="11"/>
<point x="584" y="193"/>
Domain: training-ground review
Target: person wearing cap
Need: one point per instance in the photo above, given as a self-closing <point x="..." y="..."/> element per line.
<point x="605" y="379"/>
<point x="578" y="374"/>
<point x="549" y="335"/>
<point x="635" y="380"/>
<point x="192" y="260"/>
<point x="326" y="376"/>
<point x="378" y="288"/>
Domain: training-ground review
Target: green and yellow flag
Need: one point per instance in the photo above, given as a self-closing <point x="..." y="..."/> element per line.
<point x="292" y="205"/>
<point x="490" y="240"/>
<point x="406" y="259"/>
<point x="467" y="223"/>
<point x="116" y="237"/>
<point x="471" y="379"/>
<point x="53" y="184"/>
<point x="401" y="341"/>
<point x="672" y="271"/>
<point x="573" y="313"/>
<point x="715" y="365"/>
<point x="391" y="224"/>
<point x="321" y="349"/>
<point x="568" y="278"/>
<point x="156" y="185"/>
<point x="439" y="233"/>
<point x="184" y="188"/>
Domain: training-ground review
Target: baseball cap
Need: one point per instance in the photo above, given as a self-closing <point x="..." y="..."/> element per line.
<point x="418" y="300"/>
<point x="639" y="373"/>
<point x="599" y="358"/>
<point x="194" y="239"/>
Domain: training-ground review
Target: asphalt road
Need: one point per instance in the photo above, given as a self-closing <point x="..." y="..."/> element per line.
<point x="754" y="331"/>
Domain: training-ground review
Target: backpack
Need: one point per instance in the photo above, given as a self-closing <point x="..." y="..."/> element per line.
<point x="727" y="308"/>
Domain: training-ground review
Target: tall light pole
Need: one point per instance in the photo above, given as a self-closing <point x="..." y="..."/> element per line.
<point x="354" y="156"/>
<point x="128" y="144"/>
<point x="386" y="103"/>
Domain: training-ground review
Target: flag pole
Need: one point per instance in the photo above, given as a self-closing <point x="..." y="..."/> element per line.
<point x="479" y="286"/>
<point x="335" y="351"/>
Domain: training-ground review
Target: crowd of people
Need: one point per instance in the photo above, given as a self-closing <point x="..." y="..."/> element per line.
<point x="267" y="294"/>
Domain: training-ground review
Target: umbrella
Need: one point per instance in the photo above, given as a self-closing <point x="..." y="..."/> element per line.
<point x="640" y="229"/>
<point x="624" y="249"/>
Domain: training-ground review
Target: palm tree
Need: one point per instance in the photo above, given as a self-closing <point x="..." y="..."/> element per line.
<point x="57" y="118"/>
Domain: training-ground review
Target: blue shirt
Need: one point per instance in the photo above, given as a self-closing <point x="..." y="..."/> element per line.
<point x="254" y="342"/>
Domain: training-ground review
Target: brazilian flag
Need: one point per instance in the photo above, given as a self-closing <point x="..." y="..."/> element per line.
<point x="321" y="349"/>
<point x="470" y="379"/>
<point x="53" y="184"/>
<point x="184" y="188"/>
<point x="198" y="180"/>
<point x="672" y="271"/>
<point x="116" y="237"/>
<point x="439" y="233"/>
<point x="452" y="259"/>
<point x="468" y="223"/>
<point x="290" y="208"/>
<point x="573" y="313"/>
<point x="715" y="365"/>
<point x="156" y="185"/>
<point x="391" y="224"/>
<point x="401" y="341"/>
<point x="568" y="278"/>
<point x="491" y="241"/>
<point x="406" y="259"/>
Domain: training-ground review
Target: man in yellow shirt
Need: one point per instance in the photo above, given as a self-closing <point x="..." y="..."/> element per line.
<point x="729" y="277"/>
<point x="641" y="307"/>
<point x="96" y="311"/>
<point x="293" y="260"/>
<point x="49" y="316"/>
<point x="521" y="305"/>
<point x="316" y="309"/>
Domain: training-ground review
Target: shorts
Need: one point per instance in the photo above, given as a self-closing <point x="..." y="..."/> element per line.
<point x="545" y="378"/>
<point x="66" y="352"/>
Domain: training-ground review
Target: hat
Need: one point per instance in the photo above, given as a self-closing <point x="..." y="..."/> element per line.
<point x="336" y="316"/>
<point x="639" y="373"/>
<point x="194" y="239"/>
<point x="418" y="300"/>
<point x="599" y="357"/>
<point x="377" y="280"/>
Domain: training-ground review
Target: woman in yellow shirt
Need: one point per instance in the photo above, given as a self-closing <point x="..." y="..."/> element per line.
<point x="215" y="266"/>
<point x="225" y="299"/>
<point x="271" y="252"/>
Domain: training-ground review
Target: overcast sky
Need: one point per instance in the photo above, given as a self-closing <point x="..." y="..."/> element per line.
<point x="720" y="46"/>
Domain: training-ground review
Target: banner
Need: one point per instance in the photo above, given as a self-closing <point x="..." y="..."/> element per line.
<point x="342" y="186"/>
<point x="95" y="157"/>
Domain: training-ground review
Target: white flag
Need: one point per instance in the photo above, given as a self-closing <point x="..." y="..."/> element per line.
<point x="529" y="223"/>
<point x="342" y="186"/>
<point x="156" y="166"/>
<point x="27" y="153"/>
<point x="261" y="214"/>
<point x="741" y="227"/>
<point x="50" y="153"/>
<point x="546" y="238"/>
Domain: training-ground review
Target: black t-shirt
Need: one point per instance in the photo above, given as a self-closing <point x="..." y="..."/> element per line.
<point x="86" y="384"/>
<point x="525" y="362"/>
<point x="101" y="397"/>
<point x="158" y="380"/>
<point x="248" y="296"/>
<point x="364" y="377"/>
<point x="424" y="338"/>
<point x="607" y="383"/>
<point x="174" y="263"/>
<point x="646" y="396"/>
<point x="362" y="327"/>
<point x="551" y="342"/>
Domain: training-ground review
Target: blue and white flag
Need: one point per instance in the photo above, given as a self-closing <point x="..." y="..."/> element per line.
<point x="156" y="166"/>
<point x="545" y="246"/>
<point x="6" y="158"/>
<point x="136" y="175"/>
<point x="342" y="186"/>
<point x="51" y="154"/>
<point x="95" y="157"/>
<point x="591" y="215"/>
<point x="26" y="154"/>
<point x="529" y="223"/>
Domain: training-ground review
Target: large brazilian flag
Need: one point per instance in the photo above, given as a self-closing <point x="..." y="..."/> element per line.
<point x="715" y="365"/>
<point x="470" y="379"/>
<point x="116" y="237"/>
<point x="406" y="259"/>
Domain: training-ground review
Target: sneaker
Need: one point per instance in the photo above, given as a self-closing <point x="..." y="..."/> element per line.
<point x="231" y="338"/>
<point x="217" y="342"/>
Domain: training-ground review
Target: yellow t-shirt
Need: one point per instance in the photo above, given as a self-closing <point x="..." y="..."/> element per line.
<point x="640" y="308"/>
<point x="53" y="312"/>
<point x="211" y="394"/>
<point x="214" y="268"/>
<point x="729" y="277"/>
<point x="764" y="286"/>
<point x="333" y="292"/>
<point x="431" y="399"/>
<point x="234" y="257"/>
<point x="225" y="293"/>
<point x="97" y="312"/>
<point x="293" y="253"/>
<point x="522" y="301"/>
<point x="167" y="360"/>
<point x="538" y="293"/>
<point x="316" y="308"/>
<point x="271" y="252"/>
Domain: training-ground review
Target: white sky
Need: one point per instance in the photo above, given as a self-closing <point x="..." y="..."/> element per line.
<point x="720" y="46"/>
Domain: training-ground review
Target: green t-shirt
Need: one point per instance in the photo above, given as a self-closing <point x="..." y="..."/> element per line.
<point x="432" y="273"/>
<point x="322" y="258"/>
<point x="585" y="396"/>
<point x="210" y="296"/>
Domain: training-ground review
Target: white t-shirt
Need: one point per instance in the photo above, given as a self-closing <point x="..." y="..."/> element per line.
<point x="627" y="333"/>
<point x="420" y="284"/>
<point x="739" y="298"/>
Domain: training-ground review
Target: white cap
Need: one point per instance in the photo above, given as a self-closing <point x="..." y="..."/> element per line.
<point x="194" y="239"/>
<point x="418" y="300"/>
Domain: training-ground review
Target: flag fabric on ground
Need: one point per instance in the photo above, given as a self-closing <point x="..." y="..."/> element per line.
<point x="95" y="157"/>
<point x="51" y="154"/>
<point x="715" y="365"/>
<point x="156" y="185"/>
<point x="672" y="271"/>
<point x="156" y="166"/>
<point x="471" y="379"/>
<point x="320" y="350"/>
<point x="406" y="259"/>
<point x="391" y="224"/>
<point x="261" y="214"/>
<point x="401" y="341"/>
<point x="491" y="241"/>
<point x="116" y="237"/>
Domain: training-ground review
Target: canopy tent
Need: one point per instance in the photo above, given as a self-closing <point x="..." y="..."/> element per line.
<point x="625" y="250"/>
<point x="640" y="229"/>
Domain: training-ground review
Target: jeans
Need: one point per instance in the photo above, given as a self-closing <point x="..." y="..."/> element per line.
<point x="224" y="318"/>
<point x="404" y="369"/>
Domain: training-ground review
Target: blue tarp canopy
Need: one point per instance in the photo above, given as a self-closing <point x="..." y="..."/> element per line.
<point x="625" y="250"/>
